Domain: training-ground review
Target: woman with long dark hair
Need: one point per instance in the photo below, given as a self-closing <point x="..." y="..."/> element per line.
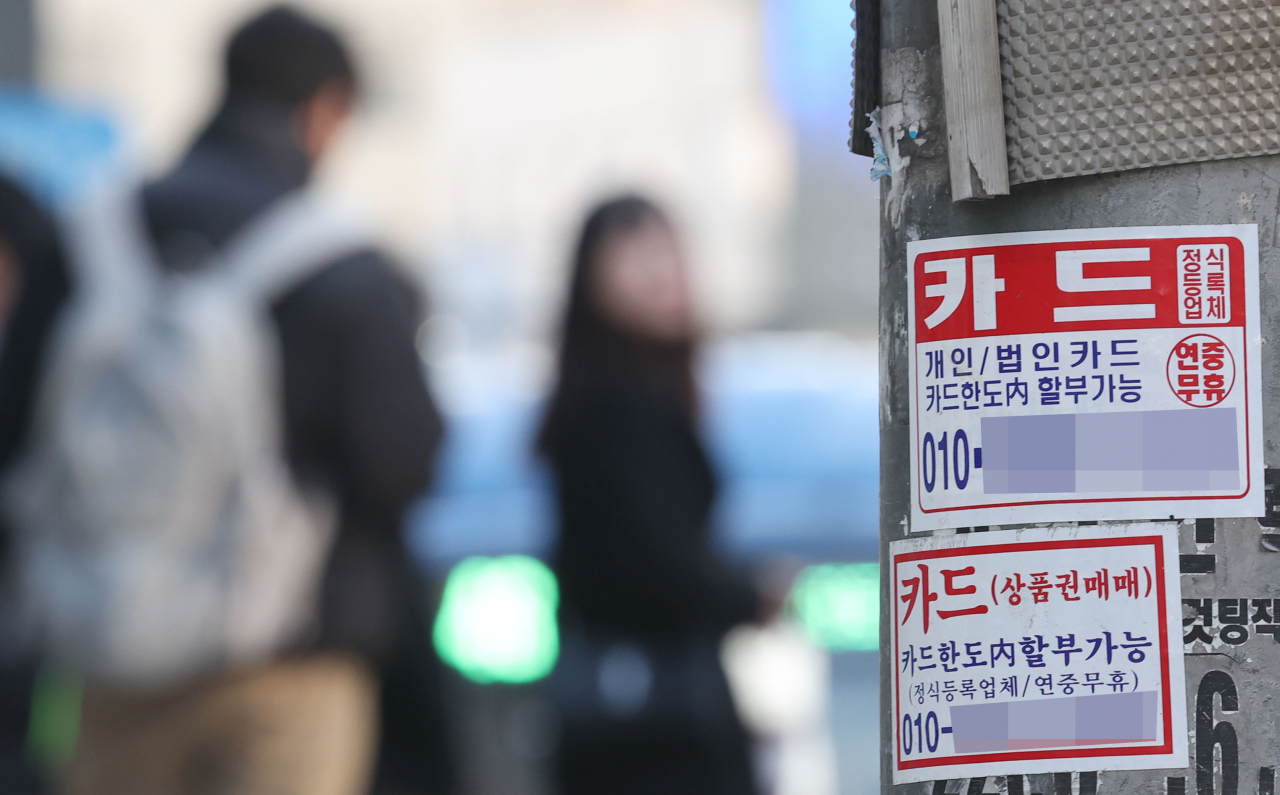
<point x="644" y="599"/>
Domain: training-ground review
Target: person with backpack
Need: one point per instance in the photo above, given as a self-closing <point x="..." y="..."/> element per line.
<point x="233" y="423"/>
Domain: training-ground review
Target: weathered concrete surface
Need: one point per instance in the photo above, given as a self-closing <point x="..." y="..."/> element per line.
<point x="916" y="205"/>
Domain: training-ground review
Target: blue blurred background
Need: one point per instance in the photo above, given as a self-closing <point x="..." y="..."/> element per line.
<point x="791" y="422"/>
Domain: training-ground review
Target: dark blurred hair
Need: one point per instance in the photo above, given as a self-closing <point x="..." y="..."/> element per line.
<point x="282" y="56"/>
<point x="593" y="349"/>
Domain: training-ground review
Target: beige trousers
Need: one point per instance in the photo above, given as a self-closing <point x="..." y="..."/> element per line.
<point x="304" y="726"/>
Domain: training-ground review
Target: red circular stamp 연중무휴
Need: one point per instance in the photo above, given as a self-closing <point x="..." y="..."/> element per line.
<point x="1201" y="370"/>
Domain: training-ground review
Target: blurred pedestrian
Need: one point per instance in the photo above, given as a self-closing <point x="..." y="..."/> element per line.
<point x="233" y="223"/>
<point x="645" y="599"/>
<point x="33" y="287"/>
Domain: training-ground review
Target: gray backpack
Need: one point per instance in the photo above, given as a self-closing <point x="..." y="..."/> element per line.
<point x="160" y="532"/>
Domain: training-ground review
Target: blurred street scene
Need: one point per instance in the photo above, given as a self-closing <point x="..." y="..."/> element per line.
<point x="483" y="134"/>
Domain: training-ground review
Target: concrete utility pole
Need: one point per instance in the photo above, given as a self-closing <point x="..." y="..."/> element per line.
<point x="17" y="37"/>
<point x="1072" y="114"/>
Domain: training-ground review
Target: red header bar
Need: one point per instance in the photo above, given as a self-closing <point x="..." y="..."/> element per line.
<point x="1079" y="286"/>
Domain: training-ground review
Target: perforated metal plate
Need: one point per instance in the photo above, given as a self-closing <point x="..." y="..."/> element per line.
<point x="1092" y="86"/>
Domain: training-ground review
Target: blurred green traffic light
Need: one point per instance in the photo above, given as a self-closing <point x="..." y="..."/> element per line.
<point x="839" y="605"/>
<point x="54" y="725"/>
<point x="497" y="620"/>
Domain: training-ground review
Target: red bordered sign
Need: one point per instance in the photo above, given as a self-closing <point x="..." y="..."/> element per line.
<point x="1096" y="374"/>
<point x="1037" y="650"/>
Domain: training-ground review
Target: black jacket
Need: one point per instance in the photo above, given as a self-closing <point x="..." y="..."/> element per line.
<point x="359" y="419"/>
<point x="31" y="236"/>
<point x="635" y="563"/>
<point x="635" y="493"/>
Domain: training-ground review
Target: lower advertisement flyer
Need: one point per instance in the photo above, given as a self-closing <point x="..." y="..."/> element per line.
<point x="1037" y="650"/>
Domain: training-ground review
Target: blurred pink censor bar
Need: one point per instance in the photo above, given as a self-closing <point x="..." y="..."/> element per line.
<point x="1105" y="719"/>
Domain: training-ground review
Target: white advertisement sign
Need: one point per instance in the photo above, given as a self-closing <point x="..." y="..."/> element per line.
<point x="1090" y="374"/>
<point x="1037" y="650"/>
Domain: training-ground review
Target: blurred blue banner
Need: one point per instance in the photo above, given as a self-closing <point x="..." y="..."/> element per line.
<point x="791" y="422"/>
<point x="810" y="52"/>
